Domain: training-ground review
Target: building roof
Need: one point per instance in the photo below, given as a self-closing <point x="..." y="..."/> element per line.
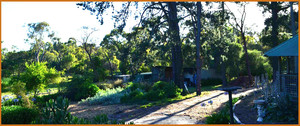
<point x="287" y="48"/>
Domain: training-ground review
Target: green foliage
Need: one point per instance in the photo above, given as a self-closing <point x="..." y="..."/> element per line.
<point x="108" y="96"/>
<point x="37" y="75"/>
<point x="18" y="115"/>
<point x="221" y="117"/>
<point x="56" y="112"/>
<point x="163" y="89"/>
<point x="5" y="83"/>
<point x="258" y="63"/>
<point x="40" y="101"/>
<point x="133" y="96"/>
<point x="284" y="111"/>
<point x="211" y="81"/>
<point x="81" y="88"/>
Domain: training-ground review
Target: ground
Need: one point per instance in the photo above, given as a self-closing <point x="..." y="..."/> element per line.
<point x="246" y="105"/>
<point x="188" y="111"/>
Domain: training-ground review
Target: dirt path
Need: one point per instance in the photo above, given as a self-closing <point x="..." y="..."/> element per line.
<point x="189" y="111"/>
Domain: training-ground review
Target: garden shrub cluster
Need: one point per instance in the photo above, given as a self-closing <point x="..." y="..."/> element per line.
<point x="81" y="88"/>
<point x="159" y="90"/>
<point x="18" y="115"/>
<point x="108" y="96"/>
<point x="135" y="92"/>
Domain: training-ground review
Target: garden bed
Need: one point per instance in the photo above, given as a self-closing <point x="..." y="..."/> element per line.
<point x="245" y="110"/>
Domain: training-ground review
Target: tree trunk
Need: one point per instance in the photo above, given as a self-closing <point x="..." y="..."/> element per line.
<point x="247" y="58"/>
<point x="292" y="20"/>
<point x="274" y="6"/>
<point x="198" y="58"/>
<point x="223" y="66"/>
<point x="176" y="45"/>
<point x="110" y="66"/>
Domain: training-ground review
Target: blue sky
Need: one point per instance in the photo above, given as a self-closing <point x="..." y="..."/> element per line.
<point x="66" y="20"/>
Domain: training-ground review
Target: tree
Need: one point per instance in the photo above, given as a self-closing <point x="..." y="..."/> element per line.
<point x="240" y="25"/>
<point x="198" y="59"/>
<point x="274" y="8"/>
<point x="169" y="14"/>
<point x="37" y="33"/>
<point x="37" y="75"/>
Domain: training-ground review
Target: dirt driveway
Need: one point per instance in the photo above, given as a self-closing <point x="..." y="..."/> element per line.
<point x="188" y="111"/>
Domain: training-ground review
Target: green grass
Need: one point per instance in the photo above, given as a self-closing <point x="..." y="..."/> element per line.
<point x="205" y="91"/>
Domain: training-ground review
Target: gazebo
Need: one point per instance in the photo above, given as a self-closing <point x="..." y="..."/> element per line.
<point x="288" y="75"/>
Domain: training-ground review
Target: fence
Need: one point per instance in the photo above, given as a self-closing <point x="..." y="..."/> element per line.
<point x="284" y="84"/>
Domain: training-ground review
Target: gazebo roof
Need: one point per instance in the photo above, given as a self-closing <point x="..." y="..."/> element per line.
<point x="287" y="48"/>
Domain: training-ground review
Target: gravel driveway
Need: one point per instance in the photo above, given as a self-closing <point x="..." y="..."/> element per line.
<point x="188" y="111"/>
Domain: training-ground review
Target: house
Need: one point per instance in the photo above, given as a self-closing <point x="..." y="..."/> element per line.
<point x="124" y="78"/>
<point x="165" y="74"/>
<point x="146" y="76"/>
<point x="287" y="77"/>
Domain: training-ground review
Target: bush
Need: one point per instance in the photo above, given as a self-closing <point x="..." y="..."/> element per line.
<point x="5" y="83"/>
<point x="219" y="118"/>
<point x="211" y="82"/>
<point x="18" y="115"/>
<point x="81" y="88"/>
<point x="108" y="96"/>
<point x="163" y="89"/>
<point x="133" y="96"/>
<point x="40" y="101"/>
<point x="282" y="111"/>
<point x="56" y="112"/>
<point x="259" y="64"/>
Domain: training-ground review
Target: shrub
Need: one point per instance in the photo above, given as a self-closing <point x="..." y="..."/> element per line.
<point x="18" y="115"/>
<point x="108" y="96"/>
<point x="40" y="101"/>
<point x="211" y="81"/>
<point x="163" y="89"/>
<point x="282" y="111"/>
<point x="219" y="118"/>
<point x="259" y="64"/>
<point x="5" y="83"/>
<point x="56" y="112"/>
<point x="81" y="88"/>
<point x="37" y="75"/>
<point x="133" y="96"/>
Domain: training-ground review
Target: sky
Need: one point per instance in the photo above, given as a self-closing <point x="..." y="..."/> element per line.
<point x="66" y="20"/>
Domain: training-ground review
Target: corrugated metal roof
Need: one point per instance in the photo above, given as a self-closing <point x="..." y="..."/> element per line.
<point x="287" y="48"/>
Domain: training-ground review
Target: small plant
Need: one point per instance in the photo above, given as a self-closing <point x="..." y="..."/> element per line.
<point x="56" y="112"/>
<point x="18" y="115"/>
<point x="221" y="117"/>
